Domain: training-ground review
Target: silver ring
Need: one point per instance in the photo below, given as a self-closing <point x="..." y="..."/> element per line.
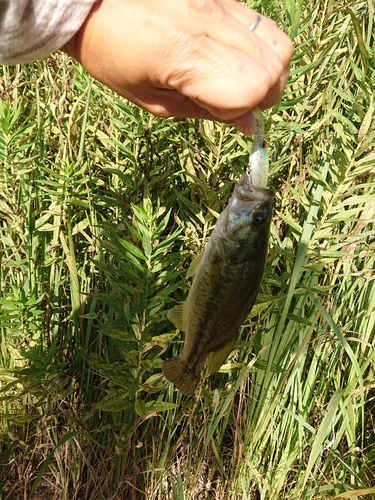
<point x="255" y="23"/>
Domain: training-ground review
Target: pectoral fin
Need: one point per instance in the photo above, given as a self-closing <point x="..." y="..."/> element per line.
<point x="218" y="357"/>
<point x="193" y="268"/>
<point x="176" y="316"/>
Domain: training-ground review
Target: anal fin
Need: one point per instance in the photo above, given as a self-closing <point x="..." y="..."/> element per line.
<point x="218" y="357"/>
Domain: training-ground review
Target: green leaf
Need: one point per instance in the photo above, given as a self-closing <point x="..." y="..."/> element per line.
<point x="325" y="428"/>
<point x="114" y="401"/>
<point x="140" y="408"/>
<point x="132" y="249"/>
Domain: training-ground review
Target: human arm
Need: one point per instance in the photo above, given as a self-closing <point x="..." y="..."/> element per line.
<point x="185" y="58"/>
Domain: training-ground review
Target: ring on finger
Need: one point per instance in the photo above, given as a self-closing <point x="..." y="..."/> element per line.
<point x="255" y="23"/>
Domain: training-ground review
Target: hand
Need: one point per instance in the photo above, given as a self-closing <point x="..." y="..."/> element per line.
<point x="186" y="58"/>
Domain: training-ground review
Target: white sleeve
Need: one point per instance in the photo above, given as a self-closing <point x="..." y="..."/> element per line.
<point x="33" y="29"/>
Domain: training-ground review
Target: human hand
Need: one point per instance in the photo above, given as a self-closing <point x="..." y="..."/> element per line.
<point x="186" y="58"/>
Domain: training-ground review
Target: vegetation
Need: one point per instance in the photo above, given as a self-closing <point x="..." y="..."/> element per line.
<point x="102" y="207"/>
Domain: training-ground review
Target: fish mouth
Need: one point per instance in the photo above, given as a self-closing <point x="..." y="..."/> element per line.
<point x="250" y="194"/>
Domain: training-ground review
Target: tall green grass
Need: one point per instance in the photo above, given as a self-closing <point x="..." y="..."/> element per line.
<point x="102" y="208"/>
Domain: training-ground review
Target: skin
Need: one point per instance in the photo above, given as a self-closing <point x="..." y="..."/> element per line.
<point x="186" y="58"/>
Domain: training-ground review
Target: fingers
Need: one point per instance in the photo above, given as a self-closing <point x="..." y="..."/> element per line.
<point x="223" y="80"/>
<point x="229" y="25"/>
<point x="224" y="67"/>
<point x="267" y="29"/>
<point x="164" y="103"/>
<point x="192" y="58"/>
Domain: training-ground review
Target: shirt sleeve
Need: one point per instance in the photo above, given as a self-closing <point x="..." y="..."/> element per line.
<point x="33" y="29"/>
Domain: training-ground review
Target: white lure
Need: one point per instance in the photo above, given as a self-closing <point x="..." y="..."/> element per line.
<point x="258" y="165"/>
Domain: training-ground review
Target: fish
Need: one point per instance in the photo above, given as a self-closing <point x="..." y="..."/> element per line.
<point x="227" y="275"/>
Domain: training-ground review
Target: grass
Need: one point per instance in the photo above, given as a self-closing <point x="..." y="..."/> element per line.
<point x="102" y="208"/>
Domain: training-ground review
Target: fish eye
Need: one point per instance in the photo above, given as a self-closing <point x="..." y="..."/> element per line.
<point x="258" y="220"/>
<point x="260" y="217"/>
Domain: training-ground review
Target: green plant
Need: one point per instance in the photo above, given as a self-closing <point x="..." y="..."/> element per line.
<point x="102" y="208"/>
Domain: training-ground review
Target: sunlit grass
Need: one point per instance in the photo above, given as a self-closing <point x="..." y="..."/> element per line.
<point x="102" y="208"/>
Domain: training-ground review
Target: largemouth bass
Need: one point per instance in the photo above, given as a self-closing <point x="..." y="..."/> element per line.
<point x="225" y="285"/>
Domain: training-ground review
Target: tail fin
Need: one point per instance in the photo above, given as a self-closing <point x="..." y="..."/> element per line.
<point x="175" y="372"/>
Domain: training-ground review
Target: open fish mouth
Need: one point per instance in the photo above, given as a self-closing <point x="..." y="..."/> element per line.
<point x="248" y="198"/>
<point x="246" y="191"/>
